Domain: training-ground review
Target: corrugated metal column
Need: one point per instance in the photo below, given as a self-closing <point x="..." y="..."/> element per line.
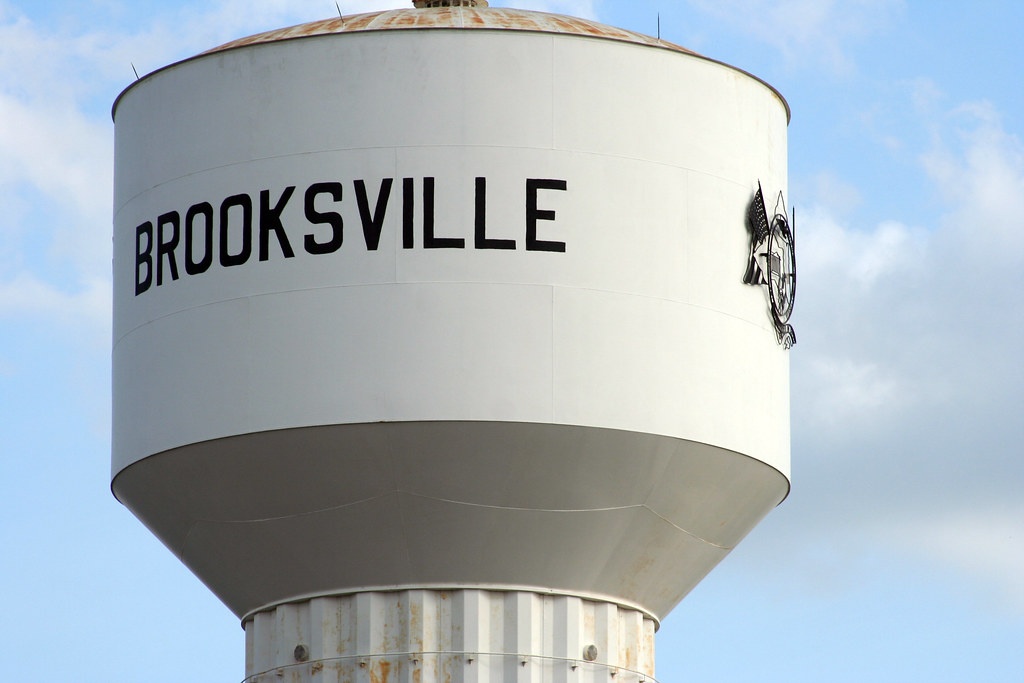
<point x="450" y="636"/>
<point x="606" y="632"/>
<point x="372" y="622"/>
<point x="421" y="633"/>
<point x="522" y="636"/>
<point x="475" y="629"/>
<point x="567" y="620"/>
<point x="631" y="632"/>
<point x="329" y="634"/>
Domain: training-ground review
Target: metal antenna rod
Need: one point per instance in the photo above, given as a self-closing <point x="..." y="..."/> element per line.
<point x="340" y="15"/>
<point x="659" y="25"/>
<point x="135" y="70"/>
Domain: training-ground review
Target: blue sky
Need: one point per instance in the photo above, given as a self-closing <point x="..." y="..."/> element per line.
<point x="899" y="555"/>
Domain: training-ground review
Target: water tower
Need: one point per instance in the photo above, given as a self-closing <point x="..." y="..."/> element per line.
<point x="433" y="354"/>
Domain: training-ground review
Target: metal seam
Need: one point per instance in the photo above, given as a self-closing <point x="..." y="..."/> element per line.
<point x="512" y="508"/>
<point x="465" y="653"/>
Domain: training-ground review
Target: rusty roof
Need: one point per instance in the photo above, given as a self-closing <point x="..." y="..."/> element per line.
<point x="493" y="18"/>
<point x="480" y="17"/>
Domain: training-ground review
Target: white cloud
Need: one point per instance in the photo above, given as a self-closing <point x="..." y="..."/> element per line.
<point x="832" y="255"/>
<point x="908" y="377"/>
<point x="986" y="543"/>
<point x="838" y="195"/>
<point x="55" y="160"/>
<point x="805" y="31"/>
<point x="66" y="157"/>
<point x="850" y="389"/>
<point x="24" y="294"/>
<point x="925" y="95"/>
<point x="979" y="168"/>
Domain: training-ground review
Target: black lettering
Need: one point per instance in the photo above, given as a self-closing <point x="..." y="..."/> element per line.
<point x="228" y="259"/>
<point x="270" y="220"/>
<point x="193" y="267"/>
<point x="481" y="240"/>
<point x="533" y="214"/>
<point x="372" y="225"/>
<point x="166" y="247"/>
<point x="143" y="258"/>
<point x="332" y="218"/>
<point x="408" y="201"/>
<point x="429" y="241"/>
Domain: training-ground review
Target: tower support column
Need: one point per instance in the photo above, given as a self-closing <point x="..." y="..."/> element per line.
<point x="450" y="636"/>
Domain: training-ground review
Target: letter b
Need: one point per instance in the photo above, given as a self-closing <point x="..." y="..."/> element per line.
<point x="143" y="258"/>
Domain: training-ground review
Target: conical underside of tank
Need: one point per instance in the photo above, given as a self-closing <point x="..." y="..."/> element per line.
<point x="631" y="518"/>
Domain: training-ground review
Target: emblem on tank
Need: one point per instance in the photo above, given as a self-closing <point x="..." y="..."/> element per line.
<point x="772" y="261"/>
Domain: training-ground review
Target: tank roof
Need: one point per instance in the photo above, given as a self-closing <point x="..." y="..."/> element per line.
<point x="492" y="18"/>
<point x="457" y="17"/>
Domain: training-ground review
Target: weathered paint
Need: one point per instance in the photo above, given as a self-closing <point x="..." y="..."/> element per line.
<point x="461" y="636"/>
<point x="492" y="18"/>
<point x="481" y="18"/>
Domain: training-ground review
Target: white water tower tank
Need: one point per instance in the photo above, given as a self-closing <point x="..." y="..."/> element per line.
<point x="432" y="354"/>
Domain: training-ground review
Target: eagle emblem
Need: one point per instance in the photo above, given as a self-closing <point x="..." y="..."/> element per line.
<point x="772" y="261"/>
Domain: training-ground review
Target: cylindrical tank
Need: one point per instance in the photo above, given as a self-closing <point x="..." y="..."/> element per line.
<point x="432" y="321"/>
